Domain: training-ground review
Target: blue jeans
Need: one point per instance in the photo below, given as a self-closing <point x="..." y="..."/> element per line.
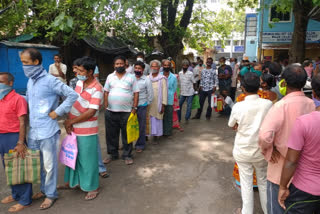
<point x="49" y="163"/>
<point x="273" y="205"/>
<point x="102" y="167"/>
<point x="189" y="106"/>
<point x="142" y="117"/>
<point x="20" y="192"/>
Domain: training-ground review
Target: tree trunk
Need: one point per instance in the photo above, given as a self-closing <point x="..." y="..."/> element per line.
<point x="301" y="10"/>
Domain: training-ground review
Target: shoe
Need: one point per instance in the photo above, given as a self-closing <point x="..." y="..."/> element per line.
<point x="195" y="118"/>
<point x="208" y="118"/>
<point x="128" y="161"/>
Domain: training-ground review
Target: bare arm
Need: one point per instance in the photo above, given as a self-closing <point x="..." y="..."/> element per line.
<point x="135" y="102"/>
<point x="61" y="74"/>
<point x="82" y="118"/>
<point x="21" y="148"/>
<point x="106" y="95"/>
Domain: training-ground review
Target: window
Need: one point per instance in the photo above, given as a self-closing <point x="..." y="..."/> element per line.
<point x="279" y="16"/>
<point x="218" y="43"/>
<point x="251" y="26"/>
<point x="228" y="43"/>
<point x="235" y="42"/>
<point x="241" y="43"/>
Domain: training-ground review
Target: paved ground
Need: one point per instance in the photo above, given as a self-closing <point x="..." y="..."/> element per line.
<point x="191" y="173"/>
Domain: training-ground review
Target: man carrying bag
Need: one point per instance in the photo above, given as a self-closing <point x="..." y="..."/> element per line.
<point x="13" y="113"/>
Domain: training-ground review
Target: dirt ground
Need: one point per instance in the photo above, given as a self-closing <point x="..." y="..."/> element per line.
<point x="189" y="173"/>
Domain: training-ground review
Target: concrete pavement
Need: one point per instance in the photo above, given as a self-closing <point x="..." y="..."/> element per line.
<point x="190" y="173"/>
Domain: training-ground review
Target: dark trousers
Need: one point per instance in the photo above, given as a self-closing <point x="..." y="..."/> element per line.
<point x="273" y="205"/>
<point x="20" y="192"/>
<point x="203" y="96"/>
<point x="142" y="117"/>
<point x="300" y="202"/>
<point x="233" y="93"/>
<point x="167" y="120"/>
<point x="116" y="122"/>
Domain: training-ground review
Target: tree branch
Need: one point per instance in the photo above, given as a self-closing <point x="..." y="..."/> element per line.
<point x="172" y="13"/>
<point x="164" y="13"/>
<point x="185" y="20"/>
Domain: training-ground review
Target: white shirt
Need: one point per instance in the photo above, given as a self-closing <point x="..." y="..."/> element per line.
<point x="229" y="101"/>
<point x="186" y="83"/>
<point x="53" y="70"/>
<point x="249" y="115"/>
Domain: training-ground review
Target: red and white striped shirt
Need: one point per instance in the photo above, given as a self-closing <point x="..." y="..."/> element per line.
<point x="89" y="98"/>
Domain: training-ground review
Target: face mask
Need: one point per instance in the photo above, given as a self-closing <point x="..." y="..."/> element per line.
<point x="283" y="90"/>
<point x="140" y="59"/>
<point x="316" y="101"/>
<point x="308" y="70"/>
<point x="120" y="70"/>
<point x="166" y="69"/>
<point x="82" y="78"/>
<point x="232" y="63"/>
<point x="222" y="63"/>
<point x="184" y="69"/>
<point x="209" y="64"/>
<point x="138" y="73"/>
<point x="4" y="90"/>
<point x="200" y="65"/>
<point x="32" y="71"/>
<point x="154" y="71"/>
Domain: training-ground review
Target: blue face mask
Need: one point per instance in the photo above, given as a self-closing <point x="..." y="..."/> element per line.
<point x="32" y="71"/>
<point x="82" y="78"/>
<point x="4" y="90"/>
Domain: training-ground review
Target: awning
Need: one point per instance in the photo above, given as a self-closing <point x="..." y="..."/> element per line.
<point x="287" y="46"/>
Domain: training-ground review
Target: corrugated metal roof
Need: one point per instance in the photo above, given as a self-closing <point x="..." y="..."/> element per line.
<point x="27" y="45"/>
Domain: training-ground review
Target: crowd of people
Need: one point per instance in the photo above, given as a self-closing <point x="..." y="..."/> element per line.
<point x="275" y="122"/>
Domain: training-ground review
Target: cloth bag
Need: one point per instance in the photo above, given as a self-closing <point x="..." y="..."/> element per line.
<point x="69" y="151"/>
<point x="219" y="107"/>
<point x="132" y="128"/>
<point x="195" y="102"/>
<point x="22" y="170"/>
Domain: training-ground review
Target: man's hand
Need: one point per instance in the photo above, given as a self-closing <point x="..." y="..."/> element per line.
<point x="200" y="89"/>
<point x="133" y="111"/>
<point x="214" y="90"/>
<point x="162" y="109"/>
<point x="53" y="115"/>
<point x="282" y="196"/>
<point x="20" y="149"/>
<point x="235" y="127"/>
<point x="68" y="126"/>
<point x="275" y="156"/>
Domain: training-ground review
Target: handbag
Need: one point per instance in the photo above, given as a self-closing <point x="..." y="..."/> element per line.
<point x="22" y="170"/>
<point x="132" y="128"/>
<point x="69" y="151"/>
<point x="195" y="102"/>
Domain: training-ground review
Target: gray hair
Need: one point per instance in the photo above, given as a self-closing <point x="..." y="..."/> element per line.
<point x="185" y="62"/>
<point x="9" y="75"/>
<point x="155" y="61"/>
<point x="165" y="60"/>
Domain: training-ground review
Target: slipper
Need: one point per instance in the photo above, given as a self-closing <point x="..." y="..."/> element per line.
<point x="38" y="196"/>
<point x="128" y="161"/>
<point x="107" y="160"/>
<point x="139" y="150"/>
<point x="237" y="211"/>
<point x="91" y="195"/>
<point x="104" y="174"/>
<point x="17" y="208"/>
<point x="8" y="200"/>
<point x="48" y="205"/>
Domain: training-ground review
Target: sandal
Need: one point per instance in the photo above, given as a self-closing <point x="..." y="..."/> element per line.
<point x="180" y="129"/>
<point x="104" y="174"/>
<point x="64" y="187"/>
<point x="45" y="205"/>
<point x="139" y="150"/>
<point x="38" y="196"/>
<point x="237" y="211"/>
<point x="17" y="208"/>
<point x="91" y="195"/>
<point x="128" y="161"/>
<point x="7" y="200"/>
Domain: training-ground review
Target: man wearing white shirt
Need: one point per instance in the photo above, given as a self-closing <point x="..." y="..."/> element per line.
<point x="187" y="88"/>
<point x="246" y="118"/>
<point x="58" y="69"/>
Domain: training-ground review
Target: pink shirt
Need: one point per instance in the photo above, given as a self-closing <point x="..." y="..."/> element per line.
<point x="305" y="137"/>
<point x="277" y="126"/>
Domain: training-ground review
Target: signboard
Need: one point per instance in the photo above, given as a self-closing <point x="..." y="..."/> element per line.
<point x="267" y="58"/>
<point x="219" y="48"/>
<point x="286" y="37"/>
<point x="239" y="48"/>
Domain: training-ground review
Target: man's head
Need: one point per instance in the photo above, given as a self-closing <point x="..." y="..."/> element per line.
<point x="193" y="65"/>
<point x="6" y="78"/>
<point x="75" y="66"/>
<point x="139" y="68"/>
<point x="185" y="65"/>
<point x="155" y="66"/>
<point x="250" y="83"/>
<point x="209" y="62"/>
<point x="315" y="83"/>
<point x="119" y="63"/>
<point x="140" y="56"/>
<point x="86" y="68"/>
<point x="127" y="63"/>
<point x="198" y="59"/>
<point x="57" y="58"/>
<point x="318" y="59"/>
<point x="275" y="68"/>
<point x="200" y="62"/>
<point x="31" y="56"/>
<point x="166" y="65"/>
<point x="258" y="67"/>
<point x="295" y="77"/>
<point x="222" y="61"/>
<point x="225" y="93"/>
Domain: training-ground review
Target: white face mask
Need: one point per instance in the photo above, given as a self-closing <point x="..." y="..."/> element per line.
<point x="140" y="59"/>
<point x="154" y="71"/>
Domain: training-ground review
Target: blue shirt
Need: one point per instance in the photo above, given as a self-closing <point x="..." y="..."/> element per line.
<point x="43" y="97"/>
<point x="172" y="87"/>
<point x="146" y="91"/>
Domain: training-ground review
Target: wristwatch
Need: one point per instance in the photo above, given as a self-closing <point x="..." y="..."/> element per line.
<point x="135" y="108"/>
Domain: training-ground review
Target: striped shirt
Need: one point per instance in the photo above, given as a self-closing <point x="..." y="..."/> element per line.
<point x="89" y="98"/>
<point x="121" y="91"/>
